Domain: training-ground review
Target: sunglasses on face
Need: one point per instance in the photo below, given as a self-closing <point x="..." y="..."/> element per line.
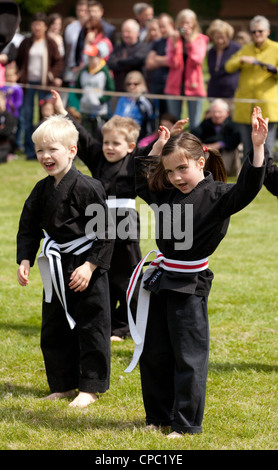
<point x="133" y="83"/>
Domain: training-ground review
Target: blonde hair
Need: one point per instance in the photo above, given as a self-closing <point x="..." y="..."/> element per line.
<point x="124" y="125"/>
<point x="219" y="26"/>
<point x="56" y="128"/>
<point x="189" y="14"/>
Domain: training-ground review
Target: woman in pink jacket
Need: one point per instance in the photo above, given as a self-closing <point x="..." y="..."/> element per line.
<point x="186" y="51"/>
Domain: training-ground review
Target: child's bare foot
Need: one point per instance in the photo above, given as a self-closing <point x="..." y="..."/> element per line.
<point x="83" y="399"/>
<point x="152" y="427"/>
<point x="116" y="338"/>
<point x="58" y="395"/>
<point x="174" y="435"/>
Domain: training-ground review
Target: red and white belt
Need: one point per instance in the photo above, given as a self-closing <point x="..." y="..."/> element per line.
<point x="138" y="329"/>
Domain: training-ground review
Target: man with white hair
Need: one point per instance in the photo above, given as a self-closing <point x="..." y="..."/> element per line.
<point x="218" y="131"/>
<point x="258" y="80"/>
<point x="129" y="55"/>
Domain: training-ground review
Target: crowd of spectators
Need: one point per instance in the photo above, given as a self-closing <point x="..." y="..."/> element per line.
<point x="92" y="64"/>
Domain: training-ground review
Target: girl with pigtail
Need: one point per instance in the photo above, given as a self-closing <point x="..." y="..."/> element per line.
<point x="171" y="331"/>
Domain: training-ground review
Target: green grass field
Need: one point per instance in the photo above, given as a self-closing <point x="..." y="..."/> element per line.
<point x="241" y="408"/>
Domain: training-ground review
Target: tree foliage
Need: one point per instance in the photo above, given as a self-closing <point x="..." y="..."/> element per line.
<point x="33" y="6"/>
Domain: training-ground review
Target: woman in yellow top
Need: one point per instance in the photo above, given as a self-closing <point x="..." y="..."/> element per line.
<point x="258" y="80"/>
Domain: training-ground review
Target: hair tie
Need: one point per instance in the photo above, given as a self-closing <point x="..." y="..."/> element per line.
<point x="205" y="149"/>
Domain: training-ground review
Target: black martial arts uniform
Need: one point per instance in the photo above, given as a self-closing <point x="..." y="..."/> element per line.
<point x="271" y="177"/>
<point x="79" y="357"/>
<point x="118" y="180"/>
<point x="174" y="361"/>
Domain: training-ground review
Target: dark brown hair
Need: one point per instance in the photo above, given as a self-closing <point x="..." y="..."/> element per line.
<point x="192" y="148"/>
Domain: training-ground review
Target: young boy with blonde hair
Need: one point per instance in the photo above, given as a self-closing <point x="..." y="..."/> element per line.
<point x="75" y="332"/>
<point x="112" y="163"/>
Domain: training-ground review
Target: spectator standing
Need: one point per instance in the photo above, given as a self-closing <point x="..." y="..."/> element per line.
<point x="143" y="13"/>
<point x="71" y="35"/>
<point x="92" y="32"/>
<point x="153" y="31"/>
<point x="221" y="84"/>
<point x="54" y="23"/>
<point x="96" y="11"/>
<point x="129" y="55"/>
<point x="257" y="63"/>
<point x="243" y="37"/>
<point x="93" y="104"/>
<point x="156" y="61"/>
<point x="218" y="131"/>
<point x="186" y="51"/>
<point x="39" y="63"/>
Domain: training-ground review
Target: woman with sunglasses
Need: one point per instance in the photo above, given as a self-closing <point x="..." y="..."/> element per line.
<point x="258" y="80"/>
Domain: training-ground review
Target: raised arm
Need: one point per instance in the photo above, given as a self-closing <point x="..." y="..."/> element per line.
<point x="259" y="135"/>
<point x="58" y="103"/>
<point x="163" y="137"/>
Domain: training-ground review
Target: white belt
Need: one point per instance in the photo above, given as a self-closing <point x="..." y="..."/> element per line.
<point x="138" y="330"/>
<point x="50" y="266"/>
<point x="121" y="202"/>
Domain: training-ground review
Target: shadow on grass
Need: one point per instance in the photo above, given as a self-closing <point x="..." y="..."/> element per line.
<point x="242" y="366"/>
<point x="21" y="328"/>
<point x="52" y="414"/>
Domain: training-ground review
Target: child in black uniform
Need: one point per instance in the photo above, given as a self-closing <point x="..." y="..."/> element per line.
<point x="112" y="162"/>
<point x="75" y="334"/>
<point x="174" y="352"/>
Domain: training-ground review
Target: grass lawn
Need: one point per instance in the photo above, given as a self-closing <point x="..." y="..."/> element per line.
<point x="241" y="408"/>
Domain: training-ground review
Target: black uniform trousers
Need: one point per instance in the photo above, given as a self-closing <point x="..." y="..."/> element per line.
<point x="78" y="358"/>
<point x="124" y="260"/>
<point x="174" y="362"/>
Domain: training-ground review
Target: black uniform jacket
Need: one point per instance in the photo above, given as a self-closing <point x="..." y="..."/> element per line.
<point x="271" y="177"/>
<point x="117" y="178"/>
<point x="213" y="204"/>
<point x="61" y="212"/>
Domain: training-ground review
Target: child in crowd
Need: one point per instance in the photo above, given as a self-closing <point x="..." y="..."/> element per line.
<point x="13" y="91"/>
<point x="94" y="79"/>
<point x="172" y="335"/>
<point x="46" y="106"/>
<point x="75" y="333"/>
<point x="138" y="107"/>
<point x="14" y="101"/>
<point x="166" y="120"/>
<point x="8" y="127"/>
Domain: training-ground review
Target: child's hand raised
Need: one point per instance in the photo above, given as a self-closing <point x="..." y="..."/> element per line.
<point x="58" y="103"/>
<point x="259" y="127"/>
<point x="163" y="137"/>
<point x="178" y="127"/>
